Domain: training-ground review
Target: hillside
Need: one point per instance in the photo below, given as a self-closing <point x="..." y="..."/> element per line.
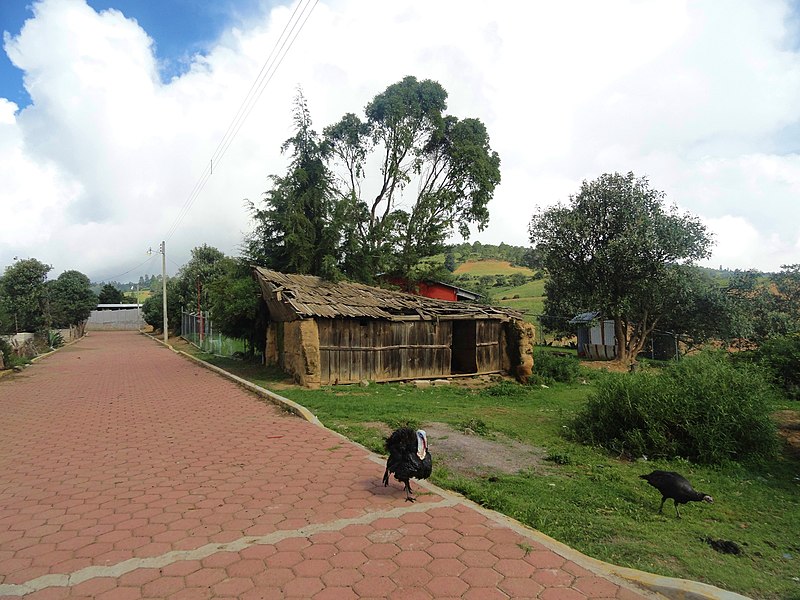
<point x="504" y="284"/>
<point x="489" y="266"/>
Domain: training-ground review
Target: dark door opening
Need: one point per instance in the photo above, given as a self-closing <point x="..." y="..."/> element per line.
<point x="464" y="350"/>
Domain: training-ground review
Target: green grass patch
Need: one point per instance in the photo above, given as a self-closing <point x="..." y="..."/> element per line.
<point x="531" y="289"/>
<point x="530" y="306"/>
<point x="583" y="496"/>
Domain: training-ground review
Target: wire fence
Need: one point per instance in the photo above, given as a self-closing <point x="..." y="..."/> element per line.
<point x="198" y="330"/>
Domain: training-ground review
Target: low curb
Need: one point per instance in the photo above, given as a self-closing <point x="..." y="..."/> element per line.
<point x="38" y="357"/>
<point x="659" y="585"/>
<point x="280" y="401"/>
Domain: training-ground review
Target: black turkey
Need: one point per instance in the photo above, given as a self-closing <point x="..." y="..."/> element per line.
<point x="675" y="486"/>
<point x="408" y="457"/>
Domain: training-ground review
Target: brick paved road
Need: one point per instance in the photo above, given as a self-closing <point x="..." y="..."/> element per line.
<point x="127" y="471"/>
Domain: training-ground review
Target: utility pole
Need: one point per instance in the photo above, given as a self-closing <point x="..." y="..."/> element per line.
<point x="164" y="286"/>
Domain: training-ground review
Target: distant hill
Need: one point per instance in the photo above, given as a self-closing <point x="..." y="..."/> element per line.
<point x="476" y="251"/>
<point x="490" y="266"/>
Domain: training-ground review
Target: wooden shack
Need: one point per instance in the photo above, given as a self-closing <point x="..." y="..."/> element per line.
<point x="326" y="333"/>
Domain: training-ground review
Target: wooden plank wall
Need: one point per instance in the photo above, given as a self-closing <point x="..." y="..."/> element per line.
<point x="377" y="350"/>
<point x="487" y="340"/>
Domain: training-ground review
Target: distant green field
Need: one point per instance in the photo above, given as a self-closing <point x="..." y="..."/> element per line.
<point x="530" y="301"/>
<point x="490" y="267"/>
<point x="531" y="306"/>
<point x="532" y="289"/>
<point x="531" y="294"/>
<point x="142" y="295"/>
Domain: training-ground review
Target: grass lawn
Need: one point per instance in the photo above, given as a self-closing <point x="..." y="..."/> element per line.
<point x="581" y="496"/>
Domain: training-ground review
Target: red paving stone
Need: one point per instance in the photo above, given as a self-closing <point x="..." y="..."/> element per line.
<point x="117" y="452"/>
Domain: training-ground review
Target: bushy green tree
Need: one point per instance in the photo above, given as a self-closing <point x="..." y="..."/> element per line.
<point x="71" y="299"/>
<point x="517" y="279"/>
<point x="780" y="357"/>
<point x="109" y="294"/>
<point x="235" y="300"/>
<point x="195" y="277"/>
<point x="153" y="311"/>
<point x="450" y="261"/>
<point x="406" y="132"/>
<point x="24" y="295"/>
<point x="296" y="229"/>
<point x="614" y="248"/>
<point x="763" y="307"/>
<point x="531" y="258"/>
<point x="787" y="283"/>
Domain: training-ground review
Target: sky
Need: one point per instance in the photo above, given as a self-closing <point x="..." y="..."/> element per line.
<point x="111" y="112"/>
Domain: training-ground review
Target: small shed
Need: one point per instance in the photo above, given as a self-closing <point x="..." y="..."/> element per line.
<point x="596" y="338"/>
<point x="327" y="333"/>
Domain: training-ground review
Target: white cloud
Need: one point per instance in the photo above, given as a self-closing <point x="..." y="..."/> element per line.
<point x="697" y="96"/>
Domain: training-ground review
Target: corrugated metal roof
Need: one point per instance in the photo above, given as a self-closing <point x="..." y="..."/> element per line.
<point x="292" y="297"/>
<point x="584" y="318"/>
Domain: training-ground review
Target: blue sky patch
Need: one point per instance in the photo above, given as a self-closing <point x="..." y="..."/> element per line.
<point x="180" y="29"/>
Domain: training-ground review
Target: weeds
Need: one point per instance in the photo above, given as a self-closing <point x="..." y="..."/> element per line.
<point x="477" y="426"/>
<point x="504" y="388"/>
<point x="551" y="367"/>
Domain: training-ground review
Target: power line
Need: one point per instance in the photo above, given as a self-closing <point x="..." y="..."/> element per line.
<point x="114" y="277"/>
<point x="243" y="111"/>
<point x="270" y="66"/>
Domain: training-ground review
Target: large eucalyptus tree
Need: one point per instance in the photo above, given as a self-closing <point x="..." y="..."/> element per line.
<point x="408" y="176"/>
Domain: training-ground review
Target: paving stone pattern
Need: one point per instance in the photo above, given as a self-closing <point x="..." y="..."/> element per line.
<point x="128" y="471"/>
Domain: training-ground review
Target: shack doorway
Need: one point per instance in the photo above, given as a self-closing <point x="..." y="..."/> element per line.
<point x="464" y="348"/>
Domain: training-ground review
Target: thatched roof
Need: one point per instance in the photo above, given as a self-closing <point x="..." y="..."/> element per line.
<point x="291" y="297"/>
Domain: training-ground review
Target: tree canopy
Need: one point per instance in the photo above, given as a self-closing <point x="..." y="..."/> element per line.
<point x="24" y="295"/>
<point x="235" y="300"/>
<point x="296" y="230"/>
<point x="71" y="299"/>
<point x="109" y="294"/>
<point x="407" y="134"/>
<point x="615" y="249"/>
<point x="195" y="276"/>
<point x="346" y="206"/>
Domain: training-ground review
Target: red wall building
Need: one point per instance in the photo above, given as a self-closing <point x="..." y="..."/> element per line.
<point x="435" y="289"/>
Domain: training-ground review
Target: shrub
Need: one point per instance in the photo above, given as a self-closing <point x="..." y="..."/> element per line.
<point x="55" y="339"/>
<point x="11" y="358"/>
<point x="540" y="380"/>
<point x="703" y="409"/>
<point x="781" y="358"/>
<point x="477" y="426"/>
<point x="549" y="366"/>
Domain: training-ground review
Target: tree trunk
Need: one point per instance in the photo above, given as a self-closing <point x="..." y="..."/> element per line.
<point x="621" y="340"/>
<point x="630" y="338"/>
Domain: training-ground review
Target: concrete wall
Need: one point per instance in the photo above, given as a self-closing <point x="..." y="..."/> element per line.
<point x="116" y="320"/>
